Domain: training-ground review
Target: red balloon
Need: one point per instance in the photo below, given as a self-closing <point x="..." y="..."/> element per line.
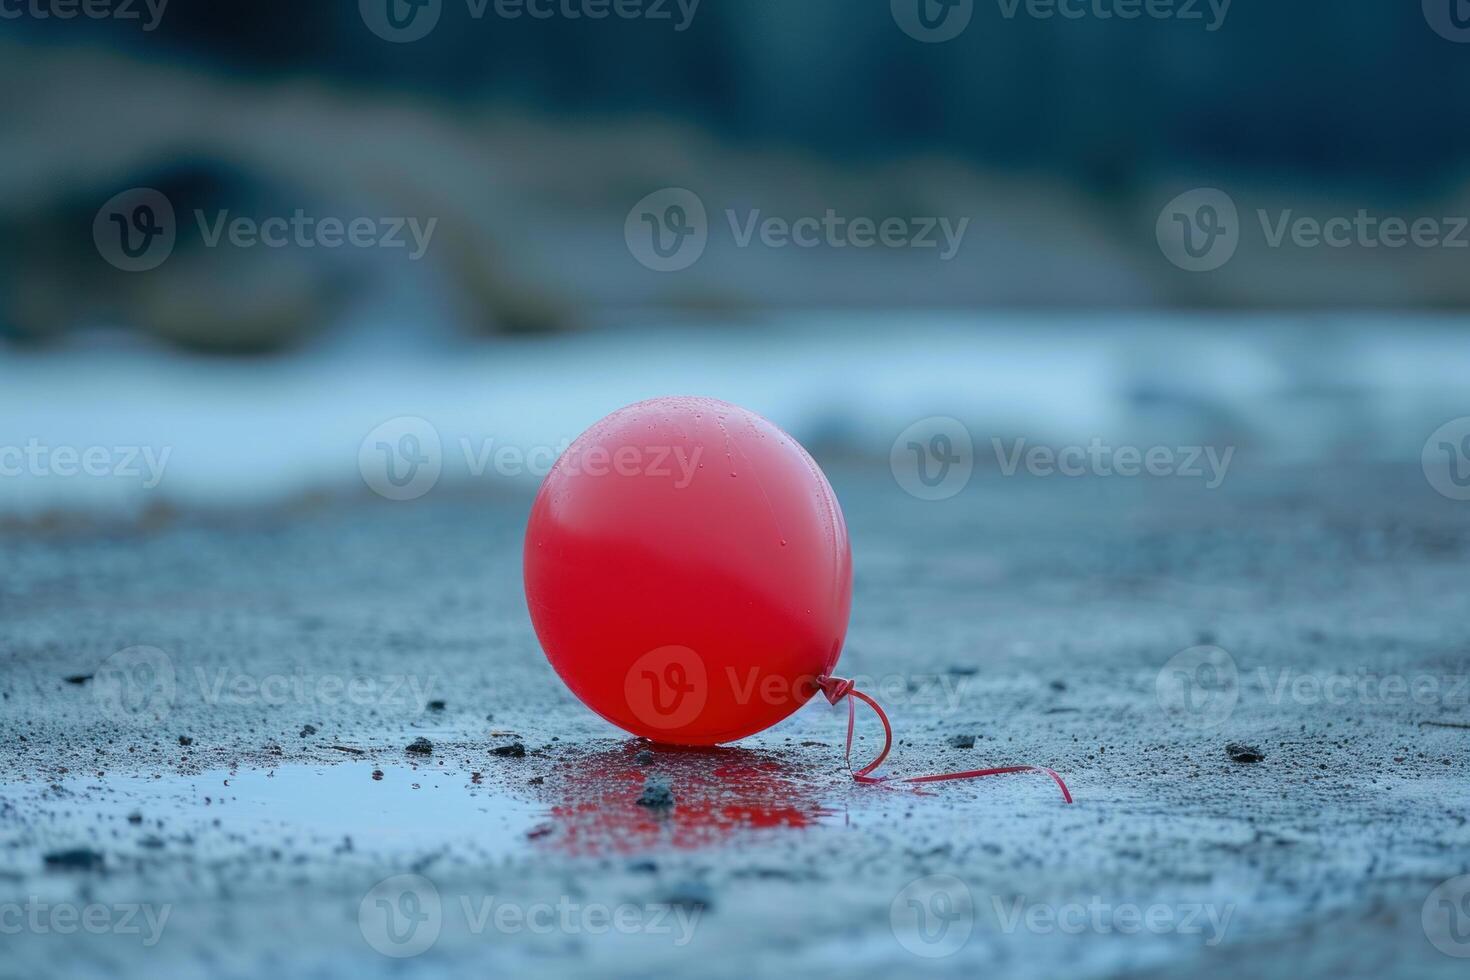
<point x="688" y="571"/>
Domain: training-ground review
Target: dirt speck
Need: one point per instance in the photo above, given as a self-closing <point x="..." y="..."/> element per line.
<point x="75" y="859"/>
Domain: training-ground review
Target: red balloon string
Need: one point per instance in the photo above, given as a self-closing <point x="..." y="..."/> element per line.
<point x="837" y="688"/>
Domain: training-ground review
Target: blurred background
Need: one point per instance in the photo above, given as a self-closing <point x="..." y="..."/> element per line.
<point x="241" y="237"/>
<point x="299" y="301"/>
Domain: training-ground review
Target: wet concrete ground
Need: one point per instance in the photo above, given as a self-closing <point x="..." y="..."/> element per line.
<point x="1252" y="692"/>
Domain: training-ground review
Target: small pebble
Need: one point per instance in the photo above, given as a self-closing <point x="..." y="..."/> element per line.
<point x="420" y="746"/>
<point x="1244" y="753"/>
<point x="962" y="741"/>
<point x="657" y="794"/>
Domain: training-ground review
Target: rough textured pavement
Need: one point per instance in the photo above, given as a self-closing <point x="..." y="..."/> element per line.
<point x="1280" y="803"/>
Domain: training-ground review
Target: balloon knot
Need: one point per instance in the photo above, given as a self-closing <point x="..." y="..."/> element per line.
<point x="835" y="688"/>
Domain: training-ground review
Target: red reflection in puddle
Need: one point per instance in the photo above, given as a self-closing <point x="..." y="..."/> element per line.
<point x="718" y="793"/>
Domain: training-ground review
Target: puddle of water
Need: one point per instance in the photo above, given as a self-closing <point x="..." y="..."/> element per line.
<point x="587" y="804"/>
<point x="300" y="808"/>
<point x="581" y="803"/>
